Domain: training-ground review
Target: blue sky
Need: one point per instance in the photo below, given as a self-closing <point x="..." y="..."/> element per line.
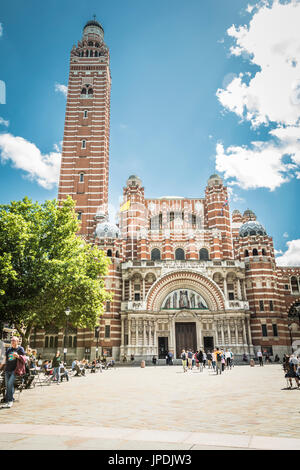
<point x="168" y="125"/>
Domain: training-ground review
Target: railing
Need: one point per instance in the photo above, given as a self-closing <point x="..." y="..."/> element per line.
<point x="183" y="264"/>
<point x="236" y="305"/>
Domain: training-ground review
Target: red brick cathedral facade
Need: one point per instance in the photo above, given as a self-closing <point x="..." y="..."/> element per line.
<point x="183" y="273"/>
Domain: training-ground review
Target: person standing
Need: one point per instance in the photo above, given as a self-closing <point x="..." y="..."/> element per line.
<point x="13" y="355"/>
<point x="190" y="360"/>
<point x="200" y="359"/>
<point x="204" y="359"/>
<point x="260" y="357"/>
<point x="228" y="359"/>
<point x="183" y="359"/>
<point x="209" y="359"/>
<point x="56" y="367"/>
<point x="214" y="360"/>
<point x="218" y="361"/>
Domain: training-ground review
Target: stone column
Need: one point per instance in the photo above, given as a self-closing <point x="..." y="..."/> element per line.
<point x="145" y="339"/>
<point x="129" y="331"/>
<point x="229" y="333"/>
<point x="154" y="336"/>
<point x="225" y="289"/>
<point x="217" y="334"/>
<point x="239" y="289"/>
<point x="222" y="333"/>
<point x="136" y="333"/>
<point x="122" y="332"/>
<point x="250" y="336"/>
<point x="199" y="335"/>
<point x="130" y="290"/>
<point x="236" y="332"/>
<point x="144" y="289"/>
<point x="244" y="333"/>
<point x="123" y="289"/>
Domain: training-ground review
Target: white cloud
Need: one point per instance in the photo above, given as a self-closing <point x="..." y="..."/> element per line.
<point x="61" y="88"/>
<point x="292" y="256"/>
<point x="271" y="95"/>
<point x="286" y="235"/>
<point x="24" y="155"/>
<point x="3" y="122"/>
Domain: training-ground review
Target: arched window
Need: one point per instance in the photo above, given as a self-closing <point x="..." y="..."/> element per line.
<point x="96" y="53"/>
<point x="117" y="254"/>
<point x="47" y="342"/>
<point x="81" y="177"/>
<point x="155" y="254"/>
<point x="255" y="252"/>
<point x="246" y="253"/>
<point x="179" y="254"/>
<point x="85" y="114"/>
<point x="51" y="342"/>
<point x="90" y="43"/>
<point x="79" y="214"/>
<point x="109" y="253"/>
<point x="91" y="54"/>
<point x="90" y="92"/>
<point x="203" y="254"/>
<point x="86" y="53"/>
<point x="97" y="44"/>
<point x="83" y="144"/>
<point x="264" y="252"/>
<point x="83" y="91"/>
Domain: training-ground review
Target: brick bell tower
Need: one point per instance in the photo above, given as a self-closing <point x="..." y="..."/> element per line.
<point x="85" y="154"/>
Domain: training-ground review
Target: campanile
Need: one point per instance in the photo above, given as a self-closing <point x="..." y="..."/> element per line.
<point x="85" y="153"/>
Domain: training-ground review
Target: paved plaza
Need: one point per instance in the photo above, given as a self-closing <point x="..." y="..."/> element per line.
<point x="158" y="408"/>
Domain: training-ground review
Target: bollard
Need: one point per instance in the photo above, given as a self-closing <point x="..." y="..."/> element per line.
<point x="252" y="363"/>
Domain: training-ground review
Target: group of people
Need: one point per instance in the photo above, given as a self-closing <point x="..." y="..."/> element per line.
<point x="215" y="360"/>
<point x="291" y="367"/>
<point x="27" y="364"/>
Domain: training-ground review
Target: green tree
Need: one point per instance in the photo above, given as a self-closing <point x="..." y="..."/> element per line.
<point x="45" y="268"/>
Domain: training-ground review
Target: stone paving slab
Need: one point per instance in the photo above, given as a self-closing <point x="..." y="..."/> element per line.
<point x="248" y="404"/>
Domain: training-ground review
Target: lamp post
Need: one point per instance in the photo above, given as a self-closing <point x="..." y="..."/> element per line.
<point x="97" y="330"/>
<point x="67" y="312"/>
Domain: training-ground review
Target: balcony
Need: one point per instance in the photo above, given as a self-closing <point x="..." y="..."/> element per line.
<point x="183" y="264"/>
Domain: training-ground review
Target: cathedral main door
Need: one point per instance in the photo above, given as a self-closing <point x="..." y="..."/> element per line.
<point x="186" y="337"/>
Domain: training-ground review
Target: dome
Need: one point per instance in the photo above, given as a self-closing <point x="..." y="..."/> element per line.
<point x="249" y="214"/>
<point x="252" y="228"/>
<point x="107" y="230"/>
<point x="214" y="180"/>
<point x="93" y="23"/>
<point x="134" y="180"/>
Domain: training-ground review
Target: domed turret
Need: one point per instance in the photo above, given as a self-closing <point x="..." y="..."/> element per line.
<point x="252" y="228"/>
<point x="214" y="180"/>
<point x="93" y="27"/>
<point x="249" y="215"/>
<point x="107" y="230"/>
<point x="134" y="180"/>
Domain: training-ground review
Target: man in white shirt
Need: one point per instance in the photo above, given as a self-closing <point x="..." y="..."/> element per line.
<point x="260" y="357"/>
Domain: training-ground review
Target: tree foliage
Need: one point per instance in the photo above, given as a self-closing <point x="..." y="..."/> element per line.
<point x="45" y="268"/>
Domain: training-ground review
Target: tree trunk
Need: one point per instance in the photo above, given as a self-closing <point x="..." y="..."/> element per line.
<point x="24" y="335"/>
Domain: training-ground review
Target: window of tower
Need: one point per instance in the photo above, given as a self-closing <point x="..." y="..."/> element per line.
<point x="246" y="253"/>
<point x="83" y="144"/>
<point x="109" y="253"/>
<point x="96" y="53"/>
<point x="97" y="44"/>
<point x="90" y="43"/>
<point x="90" y="92"/>
<point x="83" y="91"/>
<point x="86" y="53"/>
<point x="79" y="215"/>
<point x="81" y="177"/>
<point x="255" y="252"/>
<point x="179" y="254"/>
<point x="203" y="254"/>
<point x="85" y="114"/>
<point x="264" y="252"/>
<point x="294" y="284"/>
<point x="91" y="54"/>
<point x="155" y="254"/>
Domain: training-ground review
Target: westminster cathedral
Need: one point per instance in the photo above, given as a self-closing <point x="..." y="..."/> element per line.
<point x="184" y="273"/>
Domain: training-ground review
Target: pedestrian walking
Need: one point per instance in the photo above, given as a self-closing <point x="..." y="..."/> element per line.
<point x="190" y="360"/>
<point x="209" y="359"/>
<point x="14" y="363"/>
<point x="260" y="358"/>
<point x="204" y="359"/>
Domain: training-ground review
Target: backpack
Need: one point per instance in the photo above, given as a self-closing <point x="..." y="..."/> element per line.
<point x="219" y="357"/>
<point x="183" y="356"/>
